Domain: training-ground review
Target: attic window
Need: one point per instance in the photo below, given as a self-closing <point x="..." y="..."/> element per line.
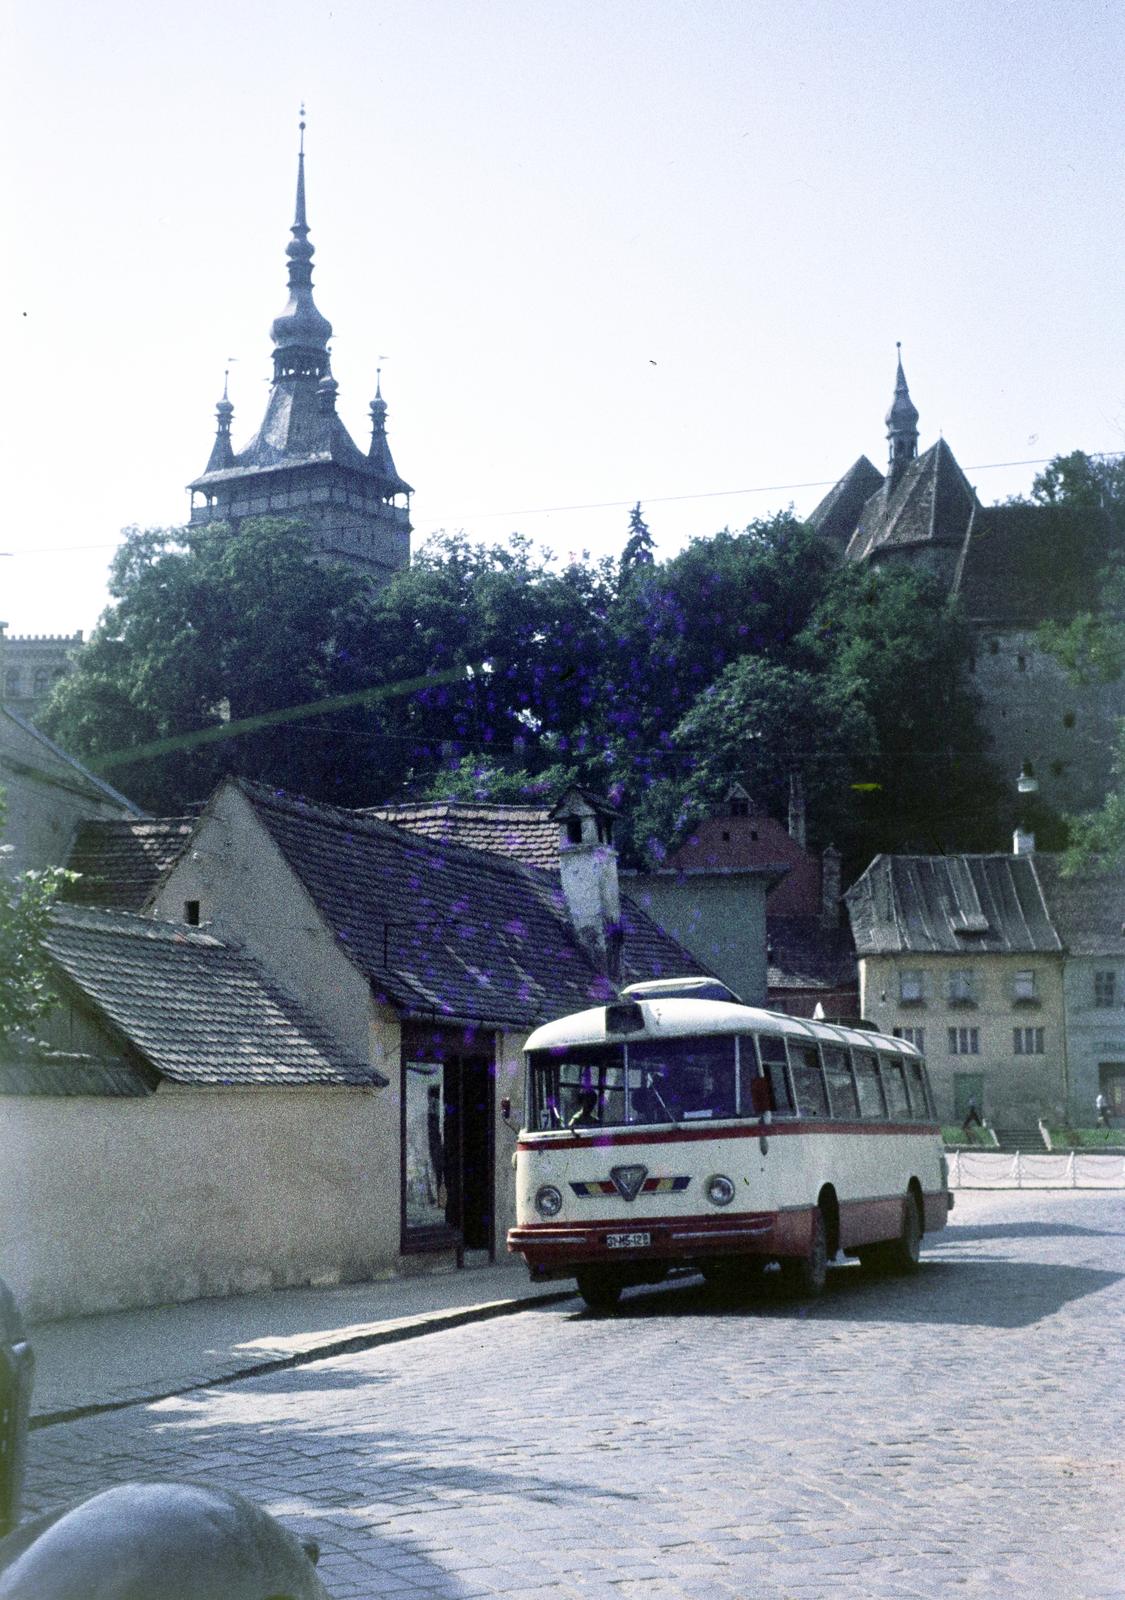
<point x="1068" y="719"/>
<point x="574" y="829"/>
<point x="994" y="647"/>
<point x="726" y="836"/>
<point x="191" y="913"/>
<point x="1021" y="663"/>
<point x="739" y="807"/>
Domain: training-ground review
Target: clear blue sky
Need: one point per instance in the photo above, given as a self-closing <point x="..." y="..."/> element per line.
<point x="610" y="250"/>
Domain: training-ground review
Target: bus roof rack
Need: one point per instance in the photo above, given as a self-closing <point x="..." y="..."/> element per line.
<point x="699" y="988"/>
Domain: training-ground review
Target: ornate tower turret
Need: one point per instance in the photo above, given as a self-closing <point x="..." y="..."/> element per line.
<point x="303" y="463"/>
<point x="902" y="427"/>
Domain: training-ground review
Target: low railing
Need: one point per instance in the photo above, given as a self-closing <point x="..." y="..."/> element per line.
<point x="993" y="1169"/>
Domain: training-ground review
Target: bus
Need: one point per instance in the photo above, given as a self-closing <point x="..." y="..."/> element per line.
<point x="677" y="1127"/>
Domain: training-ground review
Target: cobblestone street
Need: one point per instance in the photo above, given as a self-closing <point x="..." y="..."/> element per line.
<point x="957" y="1433"/>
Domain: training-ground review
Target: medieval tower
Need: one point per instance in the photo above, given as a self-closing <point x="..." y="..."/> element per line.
<point x="302" y="462"/>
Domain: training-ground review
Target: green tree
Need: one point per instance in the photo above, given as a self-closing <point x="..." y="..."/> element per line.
<point x="210" y="626"/>
<point x="638" y="552"/>
<point x="25" y="905"/>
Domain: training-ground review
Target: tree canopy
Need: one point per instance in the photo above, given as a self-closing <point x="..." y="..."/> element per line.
<point x="26" y="994"/>
<point x="749" y="654"/>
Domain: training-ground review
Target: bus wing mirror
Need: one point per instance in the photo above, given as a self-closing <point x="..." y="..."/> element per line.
<point x="760" y="1097"/>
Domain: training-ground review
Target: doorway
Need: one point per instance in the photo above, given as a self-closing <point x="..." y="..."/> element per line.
<point x="967" y="1087"/>
<point x="1111" y="1082"/>
<point x="447" y="1154"/>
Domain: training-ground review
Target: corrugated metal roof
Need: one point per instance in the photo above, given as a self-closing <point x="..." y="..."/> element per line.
<point x="952" y="905"/>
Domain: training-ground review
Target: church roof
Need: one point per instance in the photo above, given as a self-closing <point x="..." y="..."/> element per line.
<point x="932" y="503"/>
<point x="838" y="514"/>
<point x="1026" y="563"/>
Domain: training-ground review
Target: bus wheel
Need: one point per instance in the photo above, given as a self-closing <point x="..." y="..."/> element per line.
<point x="902" y="1254"/>
<point x="600" y="1289"/>
<point x="807" y="1275"/>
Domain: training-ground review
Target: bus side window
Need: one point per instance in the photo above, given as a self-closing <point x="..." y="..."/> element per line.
<point x="894" y="1087"/>
<point x="841" y="1089"/>
<point x="808" y="1080"/>
<point x="919" y="1098"/>
<point x="771" y="1053"/>
<point x="871" y="1102"/>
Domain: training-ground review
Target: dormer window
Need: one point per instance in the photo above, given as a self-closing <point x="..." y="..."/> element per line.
<point x="574" y="830"/>
<point x="1024" y="989"/>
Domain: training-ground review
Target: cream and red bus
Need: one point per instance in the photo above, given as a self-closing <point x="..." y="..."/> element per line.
<point x="678" y="1127"/>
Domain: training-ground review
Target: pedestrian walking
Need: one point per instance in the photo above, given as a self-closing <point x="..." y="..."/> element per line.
<point x="1101" y="1106"/>
<point x="972" y="1119"/>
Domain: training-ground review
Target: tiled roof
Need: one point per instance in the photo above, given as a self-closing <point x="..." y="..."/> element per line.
<point x="932" y="503"/>
<point x="838" y="514"/>
<point x="804" y="954"/>
<point x="1023" y="564"/>
<point x="121" y="862"/>
<point x="196" y="1010"/>
<point x="1087" y="909"/>
<point x="951" y="905"/>
<point x="525" y="833"/>
<point x="444" y="931"/>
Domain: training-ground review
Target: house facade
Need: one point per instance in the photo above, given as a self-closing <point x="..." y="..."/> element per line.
<point x="431" y="963"/>
<point x="959" y="954"/>
<point x="47" y="796"/>
<point x="182" y="1129"/>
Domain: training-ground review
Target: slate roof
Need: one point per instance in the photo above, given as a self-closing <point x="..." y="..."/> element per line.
<point x="1087" y="909"/>
<point x="838" y="514"/>
<point x="525" y="833"/>
<point x="1023" y="564"/>
<point x="121" y="862"/>
<point x="950" y="905"/>
<point x="932" y="503"/>
<point x="444" y="931"/>
<point x="195" y="1010"/>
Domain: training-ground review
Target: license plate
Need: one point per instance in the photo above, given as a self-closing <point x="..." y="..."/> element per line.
<point x="628" y="1241"/>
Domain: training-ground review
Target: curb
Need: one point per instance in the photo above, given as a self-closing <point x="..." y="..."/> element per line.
<point x="394" y="1332"/>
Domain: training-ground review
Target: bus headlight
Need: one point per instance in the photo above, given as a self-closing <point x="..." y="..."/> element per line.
<point x="719" y="1190"/>
<point x="548" y="1200"/>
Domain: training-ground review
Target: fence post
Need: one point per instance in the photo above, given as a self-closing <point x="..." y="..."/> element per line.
<point x="1073" y="1172"/>
<point x="1019" y="1174"/>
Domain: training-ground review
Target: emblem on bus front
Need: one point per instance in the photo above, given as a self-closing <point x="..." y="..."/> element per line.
<point x="627" y="1180"/>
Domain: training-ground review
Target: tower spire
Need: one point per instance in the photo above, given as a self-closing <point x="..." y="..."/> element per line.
<point x="300" y="334"/>
<point x="902" y="426"/>
<point x="222" y="453"/>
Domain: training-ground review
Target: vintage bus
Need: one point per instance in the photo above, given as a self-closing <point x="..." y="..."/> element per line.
<point x="678" y="1127"/>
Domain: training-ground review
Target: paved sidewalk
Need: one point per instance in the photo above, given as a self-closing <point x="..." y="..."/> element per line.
<point x="86" y="1364"/>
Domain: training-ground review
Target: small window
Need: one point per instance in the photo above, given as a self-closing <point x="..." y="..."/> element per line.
<point x="914" y="1036"/>
<point x="911" y="986"/>
<point x="40" y="680"/>
<point x="739" y="807"/>
<point x="574" y="830"/>
<point x="771" y="1053"/>
<point x="841" y="1088"/>
<point x="1105" y="988"/>
<point x="1023" y="985"/>
<point x="994" y="647"/>
<point x="1027" y="1041"/>
<point x="964" y="1042"/>
<point x="808" y="1080"/>
<point x="1021" y="663"/>
<point x="868" y="1085"/>
<point x="191" y="913"/>
<point x="962" y="987"/>
<point x="1068" y="719"/>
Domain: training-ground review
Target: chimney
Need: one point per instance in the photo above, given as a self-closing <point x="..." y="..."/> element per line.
<point x="797" y="808"/>
<point x="830" y="888"/>
<point x="588" y="868"/>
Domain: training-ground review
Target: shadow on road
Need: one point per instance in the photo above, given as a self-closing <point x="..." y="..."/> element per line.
<point x="981" y="1293"/>
<point x="1026" y="1230"/>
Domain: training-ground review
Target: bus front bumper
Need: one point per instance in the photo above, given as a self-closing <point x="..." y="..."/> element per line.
<point x="554" y="1249"/>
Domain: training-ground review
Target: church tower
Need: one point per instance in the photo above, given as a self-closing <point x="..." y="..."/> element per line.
<point x="302" y="463"/>
<point x="902" y="428"/>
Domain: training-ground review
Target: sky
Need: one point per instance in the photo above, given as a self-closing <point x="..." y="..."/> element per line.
<point x="603" y="250"/>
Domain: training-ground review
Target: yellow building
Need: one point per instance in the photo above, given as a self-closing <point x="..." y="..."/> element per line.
<point x="959" y="954"/>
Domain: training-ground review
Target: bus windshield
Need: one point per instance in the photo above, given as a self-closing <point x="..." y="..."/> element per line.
<point x="652" y="1081"/>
